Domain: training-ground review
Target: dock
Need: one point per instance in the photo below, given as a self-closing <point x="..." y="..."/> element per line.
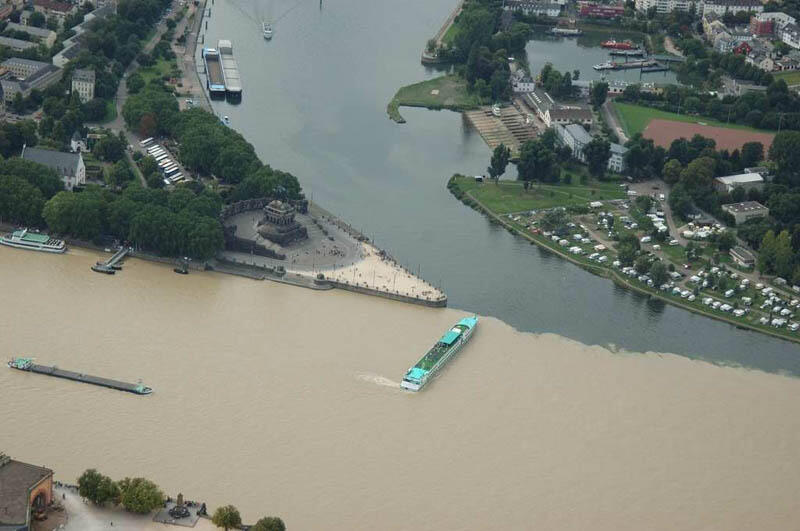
<point x="628" y="53"/>
<point x="112" y="265"/>
<point x="510" y="128"/>
<point x="26" y="364"/>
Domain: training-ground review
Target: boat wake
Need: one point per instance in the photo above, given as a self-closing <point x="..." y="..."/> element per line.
<point x="378" y="380"/>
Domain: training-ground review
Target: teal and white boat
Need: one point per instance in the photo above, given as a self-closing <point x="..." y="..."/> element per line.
<point x="450" y="343"/>
<point x="35" y="241"/>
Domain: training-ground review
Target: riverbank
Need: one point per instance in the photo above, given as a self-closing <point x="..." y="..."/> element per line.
<point x="445" y="92"/>
<point x="513" y="224"/>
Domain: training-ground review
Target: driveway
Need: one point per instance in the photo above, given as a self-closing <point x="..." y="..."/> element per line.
<point x="613" y="123"/>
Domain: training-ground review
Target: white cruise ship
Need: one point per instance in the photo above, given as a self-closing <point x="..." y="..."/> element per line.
<point x="34" y="241"/>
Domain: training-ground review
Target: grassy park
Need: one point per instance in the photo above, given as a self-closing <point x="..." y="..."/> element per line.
<point x="445" y="92"/>
<point x="510" y="196"/>
<point x="635" y="118"/>
<point x="791" y="77"/>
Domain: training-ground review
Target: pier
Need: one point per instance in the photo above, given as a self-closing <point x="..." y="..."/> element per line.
<point x="112" y="265"/>
<point x="628" y="53"/>
<point x="26" y="364"/>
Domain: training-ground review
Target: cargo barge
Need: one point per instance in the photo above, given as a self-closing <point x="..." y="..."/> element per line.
<point x="230" y="69"/>
<point x="215" y="79"/>
<point x="444" y="349"/>
<point x="26" y="364"/>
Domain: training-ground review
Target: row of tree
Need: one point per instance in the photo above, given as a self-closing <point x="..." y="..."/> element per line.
<point x="228" y="517"/>
<point x="137" y="495"/>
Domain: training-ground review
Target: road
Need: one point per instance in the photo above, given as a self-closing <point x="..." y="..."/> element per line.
<point x="670" y="47"/>
<point x="613" y="123"/>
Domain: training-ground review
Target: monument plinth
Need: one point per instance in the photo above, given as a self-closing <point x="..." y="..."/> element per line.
<point x="278" y="224"/>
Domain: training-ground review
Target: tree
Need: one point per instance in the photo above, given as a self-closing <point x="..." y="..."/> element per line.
<point x="135" y="83"/>
<point x="658" y="273"/>
<point x="672" y="171"/>
<point x="140" y="495"/>
<point x="784" y="256"/>
<point x="120" y="173"/>
<point x="785" y="153"/>
<point x="37" y="20"/>
<point x="597" y="153"/>
<point x="767" y="252"/>
<point x="642" y="265"/>
<point x="599" y="93"/>
<point x="497" y="166"/>
<point x="726" y="241"/>
<point x="226" y="517"/>
<point x="269" y="523"/>
<point x="536" y="162"/>
<point x="752" y="153"/>
<point x="96" y="487"/>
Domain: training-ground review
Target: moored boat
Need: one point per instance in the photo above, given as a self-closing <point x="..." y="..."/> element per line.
<point x="450" y="343"/>
<point x="618" y="45"/>
<point x="566" y="32"/>
<point x="34" y="241"/>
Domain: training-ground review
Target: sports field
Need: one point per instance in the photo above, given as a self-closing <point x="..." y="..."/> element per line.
<point x="664" y="127"/>
<point x="663" y="132"/>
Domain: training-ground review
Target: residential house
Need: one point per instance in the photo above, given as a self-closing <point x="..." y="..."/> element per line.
<point x="668" y="6"/>
<point x="42" y="35"/>
<point x="73" y="45"/>
<point x="16" y="44"/>
<point x="742" y="212"/>
<point x="742" y="48"/>
<point x="607" y="11"/>
<point x="54" y="10"/>
<point x="790" y="34"/>
<point x="617" y="161"/>
<point x="567" y="115"/>
<point x="720" y="7"/>
<point x="69" y="166"/>
<point x="83" y="84"/>
<point x="724" y="42"/>
<point x="533" y="7"/>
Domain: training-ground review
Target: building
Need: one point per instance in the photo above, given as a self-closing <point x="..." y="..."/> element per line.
<point x="532" y="7"/>
<point x="790" y="34"/>
<point x="724" y="43"/>
<point x="83" y="84"/>
<point x="567" y="115"/>
<point x="743" y="257"/>
<point x="721" y="7"/>
<point x="16" y="44"/>
<point x="616" y="162"/>
<point x="278" y="224"/>
<point x="593" y="10"/>
<point x="576" y="137"/>
<point x="540" y="101"/>
<point x="68" y="165"/>
<point x="74" y="44"/>
<point x="742" y="48"/>
<point x="741" y="212"/>
<point x="668" y="6"/>
<point x="24" y="490"/>
<point x="52" y="9"/>
<point x="6" y="10"/>
<point x="42" y="35"/>
<point x="26" y="75"/>
<point x="761" y="28"/>
<point x="748" y="181"/>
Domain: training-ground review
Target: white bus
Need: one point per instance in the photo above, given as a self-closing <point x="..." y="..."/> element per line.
<point x="169" y="166"/>
<point x="171" y="171"/>
<point x="165" y="162"/>
<point x="154" y="148"/>
<point x="161" y="157"/>
<point x="156" y="152"/>
<point x="146" y="141"/>
<point x="178" y="177"/>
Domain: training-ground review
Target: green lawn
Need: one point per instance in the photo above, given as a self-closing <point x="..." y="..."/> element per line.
<point x="791" y="78"/>
<point x="510" y="196"/>
<point x="160" y="69"/>
<point x="450" y="34"/>
<point x="452" y="94"/>
<point x="634" y="118"/>
<point x="111" y="112"/>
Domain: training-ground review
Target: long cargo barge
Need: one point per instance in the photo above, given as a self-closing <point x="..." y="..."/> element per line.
<point x="215" y="78"/>
<point x="26" y="364"/>
<point x="230" y="68"/>
<point x="444" y="349"/>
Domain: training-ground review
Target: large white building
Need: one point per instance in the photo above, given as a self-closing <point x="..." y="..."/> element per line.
<point x="533" y="7"/>
<point x="83" y="84"/>
<point x="576" y="137"/>
<point x="667" y="6"/>
<point x="720" y="7"/>
<point x="748" y="181"/>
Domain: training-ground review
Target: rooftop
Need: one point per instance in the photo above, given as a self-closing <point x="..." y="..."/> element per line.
<point x="64" y="163"/>
<point x="54" y="5"/>
<point x="83" y="75"/>
<point x="17" y="44"/>
<point x="578" y="133"/>
<point x="31" y="30"/>
<point x="16" y="478"/>
<point x="747" y="206"/>
<point x="20" y="61"/>
<point x="571" y="113"/>
<point x="749" y="3"/>
<point x="741" y="178"/>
